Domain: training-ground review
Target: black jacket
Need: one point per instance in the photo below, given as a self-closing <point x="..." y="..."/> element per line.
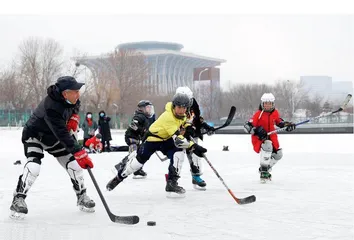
<point x="139" y="125"/>
<point x="48" y="121"/>
<point x="104" y="128"/>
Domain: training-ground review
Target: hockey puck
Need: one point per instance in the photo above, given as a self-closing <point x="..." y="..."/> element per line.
<point x="151" y="223"/>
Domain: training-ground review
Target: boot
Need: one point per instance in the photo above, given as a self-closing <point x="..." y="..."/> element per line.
<point x="264" y="174"/>
<point x="140" y="174"/>
<point x="84" y="202"/>
<point x="113" y="183"/>
<point x="173" y="190"/>
<point x="198" y="182"/>
<point x="18" y="204"/>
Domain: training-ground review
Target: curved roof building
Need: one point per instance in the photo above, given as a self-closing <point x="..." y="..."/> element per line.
<point x="169" y="66"/>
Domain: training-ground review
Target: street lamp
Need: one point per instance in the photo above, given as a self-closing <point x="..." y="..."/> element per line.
<point x="200" y="74"/>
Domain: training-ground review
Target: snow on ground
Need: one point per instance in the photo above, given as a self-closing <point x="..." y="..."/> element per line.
<point x="310" y="197"/>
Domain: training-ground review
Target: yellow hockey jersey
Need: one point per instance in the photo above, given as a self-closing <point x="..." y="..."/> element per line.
<point x="165" y="126"/>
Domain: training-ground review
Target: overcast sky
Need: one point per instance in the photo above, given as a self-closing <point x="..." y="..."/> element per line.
<point x="257" y="48"/>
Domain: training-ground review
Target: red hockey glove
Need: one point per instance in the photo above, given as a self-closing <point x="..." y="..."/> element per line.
<point x="73" y="123"/>
<point x="83" y="159"/>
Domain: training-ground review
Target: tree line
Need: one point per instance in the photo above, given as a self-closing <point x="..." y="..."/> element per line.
<point x="119" y="84"/>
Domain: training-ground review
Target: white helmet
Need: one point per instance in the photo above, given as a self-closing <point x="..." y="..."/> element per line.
<point x="269" y="98"/>
<point x="187" y="91"/>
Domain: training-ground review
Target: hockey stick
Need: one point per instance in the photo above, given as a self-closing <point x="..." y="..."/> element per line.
<point x="117" y="219"/>
<point x="241" y="201"/>
<point x="228" y="120"/>
<point x="162" y="159"/>
<point x="346" y="101"/>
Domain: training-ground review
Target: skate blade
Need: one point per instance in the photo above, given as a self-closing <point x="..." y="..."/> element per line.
<point x="138" y="177"/>
<point x="263" y="181"/>
<point x="197" y="187"/>
<point x="175" y="195"/>
<point x="17" y="216"/>
<point x="86" y="209"/>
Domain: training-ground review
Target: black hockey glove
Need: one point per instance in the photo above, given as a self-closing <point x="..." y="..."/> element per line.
<point x="190" y="132"/>
<point x="290" y="127"/>
<point x="209" y="129"/>
<point x="260" y="133"/>
<point x="198" y="150"/>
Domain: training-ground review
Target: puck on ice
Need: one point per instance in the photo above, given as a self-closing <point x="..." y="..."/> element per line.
<point x="151" y="223"/>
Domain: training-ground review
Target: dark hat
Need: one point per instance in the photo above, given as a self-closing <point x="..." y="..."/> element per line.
<point x="68" y="83"/>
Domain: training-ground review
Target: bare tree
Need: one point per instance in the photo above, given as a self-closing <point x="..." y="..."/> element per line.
<point x="40" y="64"/>
<point x="121" y="81"/>
<point x="14" y="93"/>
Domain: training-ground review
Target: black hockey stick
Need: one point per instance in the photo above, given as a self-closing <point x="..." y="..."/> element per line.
<point x="117" y="219"/>
<point x="344" y="104"/>
<point x="228" y="120"/>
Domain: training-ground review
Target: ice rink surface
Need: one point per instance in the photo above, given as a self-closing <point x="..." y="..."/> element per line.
<point x="310" y="197"/>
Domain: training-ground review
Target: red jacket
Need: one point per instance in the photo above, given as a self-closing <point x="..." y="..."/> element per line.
<point x="94" y="143"/>
<point x="267" y="120"/>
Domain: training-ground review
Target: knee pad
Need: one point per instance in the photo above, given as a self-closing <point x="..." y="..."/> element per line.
<point x="76" y="174"/>
<point x="266" y="152"/>
<point x="195" y="163"/>
<point x="29" y="176"/>
<point x="278" y="154"/>
<point x="178" y="158"/>
<point x="132" y="165"/>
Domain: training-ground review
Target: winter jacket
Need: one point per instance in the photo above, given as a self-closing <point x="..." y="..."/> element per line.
<point x="49" y="119"/>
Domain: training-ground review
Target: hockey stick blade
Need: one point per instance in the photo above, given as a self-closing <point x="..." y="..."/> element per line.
<point x="130" y="220"/>
<point x="114" y="218"/>
<point x="345" y="103"/>
<point x="228" y="120"/>
<point x="246" y="200"/>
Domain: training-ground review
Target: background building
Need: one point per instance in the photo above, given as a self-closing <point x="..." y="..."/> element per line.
<point x="323" y="86"/>
<point x="169" y="66"/>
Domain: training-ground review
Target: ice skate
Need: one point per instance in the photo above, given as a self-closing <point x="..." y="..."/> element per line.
<point x="173" y="190"/>
<point x="140" y="174"/>
<point x="265" y="176"/>
<point x="85" y="203"/>
<point x="198" y="183"/>
<point x="18" y="207"/>
<point x="113" y="183"/>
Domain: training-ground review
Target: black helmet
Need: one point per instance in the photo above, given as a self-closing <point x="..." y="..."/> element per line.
<point x="144" y="103"/>
<point x="181" y="100"/>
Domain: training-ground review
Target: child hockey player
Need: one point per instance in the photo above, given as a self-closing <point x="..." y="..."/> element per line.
<point x="194" y="130"/>
<point x="137" y="128"/>
<point x="259" y="125"/>
<point x="163" y="135"/>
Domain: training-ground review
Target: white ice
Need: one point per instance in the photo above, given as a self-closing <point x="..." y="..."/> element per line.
<point x="310" y="197"/>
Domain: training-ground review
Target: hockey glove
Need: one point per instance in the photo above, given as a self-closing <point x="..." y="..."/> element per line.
<point x="83" y="159"/>
<point x="248" y="127"/>
<point x="260" y="133"/>
<point x="209" y="129"/>
<point x="182" y="142"/>
<point x="73" y="123"/>
<point x="290" y="127"/>
<point x="190" y="132"/>
<point x="198" y="150"/>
